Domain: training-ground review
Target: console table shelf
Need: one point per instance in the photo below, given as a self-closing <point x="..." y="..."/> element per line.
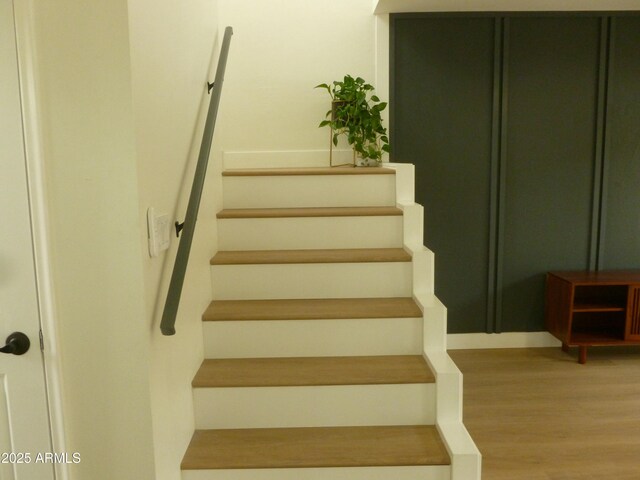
<point x="587" y="309"/>
<point x="594" y="307"/>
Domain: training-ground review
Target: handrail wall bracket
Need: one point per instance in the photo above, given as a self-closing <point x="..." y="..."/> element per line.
<point x="179" y="227"/>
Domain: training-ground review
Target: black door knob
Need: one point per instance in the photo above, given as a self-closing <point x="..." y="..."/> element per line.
<point x="17" y="344"/>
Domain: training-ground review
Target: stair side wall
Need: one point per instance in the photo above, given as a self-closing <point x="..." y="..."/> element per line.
<point x="465" y="457"/>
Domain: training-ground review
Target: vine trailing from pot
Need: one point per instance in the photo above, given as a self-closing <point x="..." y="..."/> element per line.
<point x="355" y="113"/>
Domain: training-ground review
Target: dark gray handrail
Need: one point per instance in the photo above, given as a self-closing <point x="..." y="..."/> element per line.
<point x="167" y="325"/>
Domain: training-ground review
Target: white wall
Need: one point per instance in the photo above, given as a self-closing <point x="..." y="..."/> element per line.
<point x="171" y="53"/>
<point x="122" y="92"/>
<point x="281" y="49"/>
<point x="84" y="92"/>
<point x="388" y="6"/>
<point x="122" y="97"/>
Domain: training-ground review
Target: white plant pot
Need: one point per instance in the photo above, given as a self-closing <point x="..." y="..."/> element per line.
<point x="366" y="162"/>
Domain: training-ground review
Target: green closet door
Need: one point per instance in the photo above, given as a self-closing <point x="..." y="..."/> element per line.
<point x="621" y="233"/>
<point x="549" y="127"/>
<point x="441" y="117"/>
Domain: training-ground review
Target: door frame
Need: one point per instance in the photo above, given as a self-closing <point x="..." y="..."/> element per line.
<point x="35" y="169"/>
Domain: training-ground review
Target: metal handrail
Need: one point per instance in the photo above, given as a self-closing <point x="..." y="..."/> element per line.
<point x="167" y="324"/>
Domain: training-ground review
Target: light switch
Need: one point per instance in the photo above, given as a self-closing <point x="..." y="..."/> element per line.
<point x="159" y="232"/>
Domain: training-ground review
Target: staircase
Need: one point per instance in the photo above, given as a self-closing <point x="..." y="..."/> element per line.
<point x="325" y="351"/>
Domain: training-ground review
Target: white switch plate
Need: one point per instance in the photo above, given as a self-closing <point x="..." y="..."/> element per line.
<point x="158" y="232"/>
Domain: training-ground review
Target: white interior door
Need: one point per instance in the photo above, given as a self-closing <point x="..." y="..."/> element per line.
<point x="24" y="420"/>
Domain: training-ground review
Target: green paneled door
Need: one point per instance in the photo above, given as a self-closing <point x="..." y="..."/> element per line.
<point x="442" y="98"/>
<point x="621" y="213"/>
<point x="525" y="132"/>
<point x="549" y="122"/>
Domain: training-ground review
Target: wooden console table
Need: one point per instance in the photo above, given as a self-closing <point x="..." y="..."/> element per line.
<point x="586" y="309"/>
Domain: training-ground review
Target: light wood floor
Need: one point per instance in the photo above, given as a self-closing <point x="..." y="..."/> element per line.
<point x="536" y="414"/>
<point x="345" y="255"/>
<point x="311" y="309"/>
<point x="229" y="213"/>
<point x="307" y="371"/>
<point x="315" y="447"/>
<point x="270" y="172"/>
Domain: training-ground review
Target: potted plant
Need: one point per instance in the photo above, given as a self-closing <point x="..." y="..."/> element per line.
<point x="355" y="113"/>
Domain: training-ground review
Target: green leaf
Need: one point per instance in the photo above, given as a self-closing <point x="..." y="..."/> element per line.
<point x="375" y="98"/>
<point x="379" y="107"/>
<point x="324" y="123"/>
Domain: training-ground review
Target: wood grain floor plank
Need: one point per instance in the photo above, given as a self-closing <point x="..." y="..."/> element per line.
<point x="536" y="414"/>
<point x="315" y="447"/>
<point x="312" y="371"/>
<point x="308" y="212"/>
<point x="259" y="172"/>
<point x="312" y="309"/>
<point x="350" y="255"/>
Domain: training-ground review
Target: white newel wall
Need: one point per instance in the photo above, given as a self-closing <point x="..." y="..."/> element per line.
<point x="466" y="459"/>
<point x="171" y="61"/>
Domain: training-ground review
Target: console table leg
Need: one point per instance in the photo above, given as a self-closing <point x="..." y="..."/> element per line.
<point x="565" y="347"/>
<point x="583" y="354"/>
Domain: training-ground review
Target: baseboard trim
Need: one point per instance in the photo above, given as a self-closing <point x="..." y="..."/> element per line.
<point x="459" y="341"/>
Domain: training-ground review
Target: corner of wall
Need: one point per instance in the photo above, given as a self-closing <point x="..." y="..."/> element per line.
<point x="88" y="148"/>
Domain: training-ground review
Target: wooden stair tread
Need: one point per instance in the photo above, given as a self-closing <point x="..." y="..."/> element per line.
<point x="312" y="371"/>
<point x="351" y="255"/>
<point x="308" y="212"/>
<point x="312" y="309"/>
<point x="261" y="172"/>
<point x="310" y="447"/>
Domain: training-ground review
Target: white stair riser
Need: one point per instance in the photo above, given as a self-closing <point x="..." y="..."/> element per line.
<point x="314" y="406"/>
<point x="285" y="158"/>
<point x="316" y="280"/>
<point x="313" y="338"/>
<point x="440" y="472"/>
<point x="310" y="233"/>
<point x="309" y="191"/>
